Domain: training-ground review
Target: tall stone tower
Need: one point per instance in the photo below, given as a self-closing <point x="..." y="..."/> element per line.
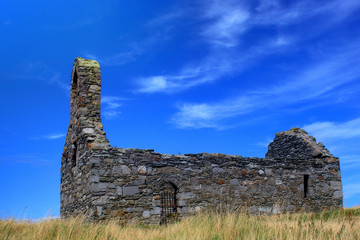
<point x="85" y="132"/>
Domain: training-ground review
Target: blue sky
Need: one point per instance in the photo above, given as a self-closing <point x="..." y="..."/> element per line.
<point x="184" y="76"/>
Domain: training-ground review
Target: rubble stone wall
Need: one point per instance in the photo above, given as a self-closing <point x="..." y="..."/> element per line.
<point x="102" y="182"/>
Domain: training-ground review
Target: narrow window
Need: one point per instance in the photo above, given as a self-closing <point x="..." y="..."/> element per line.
<point x="74" y="154"/>
<point x="168" y="204"/>
<point x="75" y="81"/>
<point x="306" y="185"/>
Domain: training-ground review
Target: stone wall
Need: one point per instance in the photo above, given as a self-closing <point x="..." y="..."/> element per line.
<point x="105" y="182"/>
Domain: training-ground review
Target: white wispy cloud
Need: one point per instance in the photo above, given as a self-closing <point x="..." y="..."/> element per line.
<point x="204" y="115"/>
<point x="224" y="25"/>
<point x="209" y="69"/>
<point x="350" y="162"/>
<point x="227" y="20"/>
<point x="232" y="19"/>
<point x="167" y="18"/>
<point x="340" y="9"/>
<point x="42" y="72"/>
<point x="189" y="76"/>
<point x="154" y="84"/>
<point x="111" y="104"/>
<point x="52" y="136"/>
<point x="343" y="139"/>
<point x="25" y="158"/>
<point x="315" y="82"/>
<point x="220" y="31"/>
<point x="56" y="79"/>
<point x="80" y="23"/>
<point x="123" y="57"/>
<point x="160" y="31"/>
<point x="275" y="13"/>
<point x="265" y="143"/>
<point x="332" y="130"/>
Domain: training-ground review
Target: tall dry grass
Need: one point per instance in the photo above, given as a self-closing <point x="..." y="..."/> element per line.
<point x="340" y="224"/>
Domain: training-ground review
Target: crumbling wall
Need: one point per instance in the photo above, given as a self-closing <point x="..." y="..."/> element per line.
<point x="296" y="174"/>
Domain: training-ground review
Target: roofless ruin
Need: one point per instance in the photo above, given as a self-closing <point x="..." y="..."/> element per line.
<point x="103" y="182"/>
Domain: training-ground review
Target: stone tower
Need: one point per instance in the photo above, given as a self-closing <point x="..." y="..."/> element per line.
<point x="85" y="132"/>
<point x="103" y="182"/>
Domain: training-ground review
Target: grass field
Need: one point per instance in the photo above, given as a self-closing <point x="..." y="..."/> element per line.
<point x="340" y="224"/>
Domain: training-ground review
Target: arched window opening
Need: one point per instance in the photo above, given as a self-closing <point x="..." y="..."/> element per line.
<point x="74" y="157"/>
<point x="75" y="81"/>
<point x="168" y="204"/>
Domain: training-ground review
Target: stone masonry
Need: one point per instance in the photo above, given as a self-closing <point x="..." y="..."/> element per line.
<point x="103" y="182"/>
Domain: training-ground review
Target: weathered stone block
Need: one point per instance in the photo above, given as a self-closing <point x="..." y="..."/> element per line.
<point x="87" y="131"/>
<point x="338" y="194"/>
<point x="184" y="210"/>
<point x="98" y="210"/>
<point x="242" y="188"/>
<point x="168" y="170"/>
<point x="335" y="185"/>
<point x="270" y="189"/>
<point x="234" y="182"/>
<point x="217" y="170"/>
<point x="94" y="88"/>
<point x="146" y="214"/>
<point x="130" y="190"/>
<point x="181" y="203"/>
<point x="323" y="186"/>
<point x="99" y="187"/>
<point x="94" y="178"/>
<point x="121" y="170"/>
<point x="156" y="202"/>
<point x="186" y="195"/>
<point x="155" y="211"/>
<point x="142" y="169"/>
<point x="140" y="180"/>
<point x="119" y="191"/>
<point x="103" y="200"/>
<point x="265" y="209"/>
<point x="94" y="161"/>
<point x="268" y="171"/>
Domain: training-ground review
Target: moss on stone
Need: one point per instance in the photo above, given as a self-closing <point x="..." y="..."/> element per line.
<point x="87" y="62"/>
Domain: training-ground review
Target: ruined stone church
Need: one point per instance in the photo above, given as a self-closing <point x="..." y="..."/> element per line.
<point x="104" y="182"/>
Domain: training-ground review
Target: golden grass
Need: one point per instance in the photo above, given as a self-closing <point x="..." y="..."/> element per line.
<point x="340" y="224"/>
